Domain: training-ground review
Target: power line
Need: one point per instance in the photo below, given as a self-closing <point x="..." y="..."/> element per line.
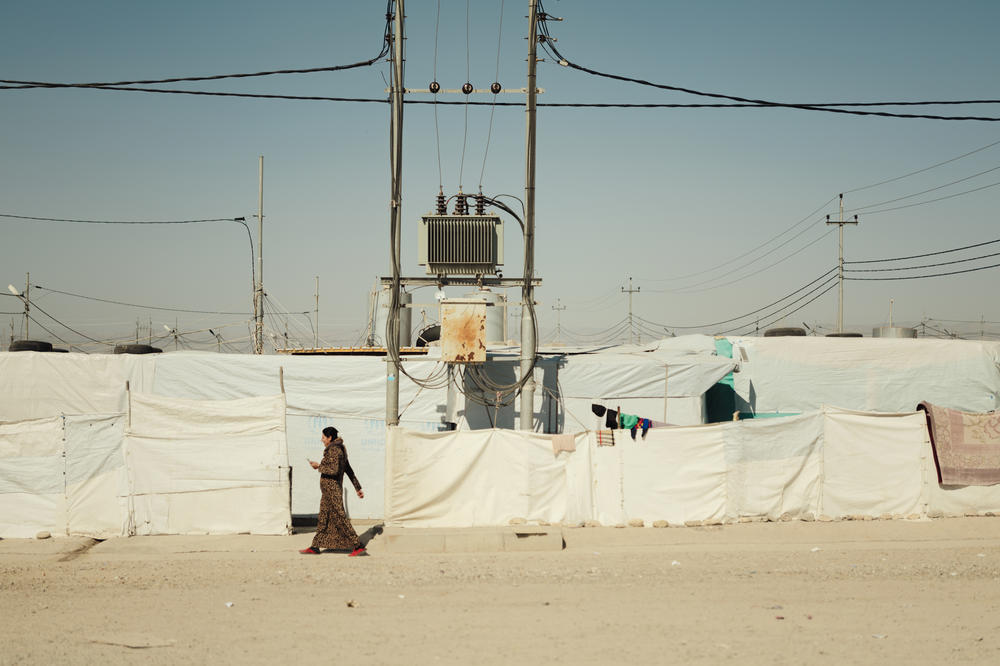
<point x="928" y="254"/>
<point x="59" y="219"/>
<point x="748" y="314"/>
<point x="750" y="251"/>
<point x="909" y="268"/>
<point x="788" y="314"/>
<point x="577" y="105"/>
<point x="916" y="194"/>
<point x="207" y="93"/>
<point x="240" y="220"/>
<point x="493" y="108"/>
<point x="691" y="288"/>
<point x="68" y="328"/>
<point x="913" y="173"/>
<point x="920" y="277"/>
<point x="43" y="327"/>
<point x="827" y="107"/>
<point x="135" y="305"/>
<point x="215" y="77"/>
<point x="921" y="203"/>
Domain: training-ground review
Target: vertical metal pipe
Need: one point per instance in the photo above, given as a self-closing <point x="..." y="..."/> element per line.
<point x="316" y="332"/>
<point x="527" y="291"/>
<point x="396" y="147"/>
<point x="259" y="295"/>
<point x="27" y="304"/>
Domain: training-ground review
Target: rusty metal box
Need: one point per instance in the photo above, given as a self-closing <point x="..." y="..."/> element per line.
<point x="463" y="330"/>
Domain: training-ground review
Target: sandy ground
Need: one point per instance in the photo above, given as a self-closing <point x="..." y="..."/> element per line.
<point x="784" y="593"/>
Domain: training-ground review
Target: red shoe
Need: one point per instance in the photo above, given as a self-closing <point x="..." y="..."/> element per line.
<point x="309" y="551"/>
<point x="359" y="552"/>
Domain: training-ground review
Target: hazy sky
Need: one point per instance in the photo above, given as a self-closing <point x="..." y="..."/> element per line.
<point x="656" y="194"/>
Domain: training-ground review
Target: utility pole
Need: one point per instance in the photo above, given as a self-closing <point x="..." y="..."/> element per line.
<point x="393" y="364"/>
<point x="630" y="291"/>
<point x="528" y="341"/>
<point x="316" y="332"/>
<point x="558" y="308"/>
<point x="840" y="263"/>
<point x="27" y="303"/>
<point x="258" y="306"/>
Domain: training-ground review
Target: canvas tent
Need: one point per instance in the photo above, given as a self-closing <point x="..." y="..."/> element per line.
<point x="832" y="462"/>
<point x="163" y="466"/>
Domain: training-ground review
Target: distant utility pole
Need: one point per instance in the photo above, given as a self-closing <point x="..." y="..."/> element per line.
<point x="630" y="291"/>
<point x="258" y="301"/>
<point x="316" y="332"/>
<point x="27" y="303"/>
<point x="558" y="308"/>
<point x="840" y="273"/>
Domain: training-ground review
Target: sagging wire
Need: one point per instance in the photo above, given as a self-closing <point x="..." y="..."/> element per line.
<point x="437" y="130"/>
<point x="468" y="74"/>
<point x="496" y="77"/>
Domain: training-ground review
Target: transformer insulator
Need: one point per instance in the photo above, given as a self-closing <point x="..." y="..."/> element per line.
<point x="467" y="88"/>
<point x="461" y="205"/>
<point x="442" y="207"/>
<point x="495" y="87"/>
<point x="480" y="204"/>
<point x="434" y="87"/>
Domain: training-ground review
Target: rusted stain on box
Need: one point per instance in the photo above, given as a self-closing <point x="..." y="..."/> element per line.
<point x="463" y="331"/>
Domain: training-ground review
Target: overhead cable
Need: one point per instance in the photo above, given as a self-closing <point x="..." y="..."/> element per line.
<point x="917" y="194"/>
<point x="910" y="268"/>
<point x="748" y="314"/>
<point x="750" y="251"/>
<point x="240" y="220"/>
<point x="787" y="314"/>
<point x="920" y="277"/>
<point x="927" y="254"/>
<point x="922" y="203"/>
<point x="830" y="283"/>
<point x="135" y="305"/>
<point x="691" y="288"/>
<point x="914" y="173"/>
<point x="47" y="330"/>
<point x="216" y="77"/>
<point x="60" y="219"/>
<point x="548" y="44"/>
<point x="67" y="327"/>
<point x="493" y="107"/>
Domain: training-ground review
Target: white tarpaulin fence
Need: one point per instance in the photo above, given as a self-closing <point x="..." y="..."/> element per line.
<point x="832" y="462"/>
<point x="183" y="466"/>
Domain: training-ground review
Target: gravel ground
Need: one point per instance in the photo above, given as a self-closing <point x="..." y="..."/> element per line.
<point x="776" y="593"/>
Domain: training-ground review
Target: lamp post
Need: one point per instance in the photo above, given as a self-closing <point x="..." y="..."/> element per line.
<point x="25" y="298"/>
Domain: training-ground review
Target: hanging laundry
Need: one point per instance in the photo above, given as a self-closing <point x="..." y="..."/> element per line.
<point x="628" y="421"/>
<point x="598" y="409"/>
<point x="563" y="442"/>
<point x="642" y="423"/>
<point x="611" y="421"/>
<point x="605" y="437"/>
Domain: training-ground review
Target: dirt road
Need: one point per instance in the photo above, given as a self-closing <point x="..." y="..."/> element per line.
<point x="784" y="593"/>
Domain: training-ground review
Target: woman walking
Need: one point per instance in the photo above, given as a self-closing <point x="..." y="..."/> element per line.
<point x="333" y="530"/>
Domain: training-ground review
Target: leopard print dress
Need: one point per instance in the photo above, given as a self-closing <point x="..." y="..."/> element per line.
<point x="333" y="529"/>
